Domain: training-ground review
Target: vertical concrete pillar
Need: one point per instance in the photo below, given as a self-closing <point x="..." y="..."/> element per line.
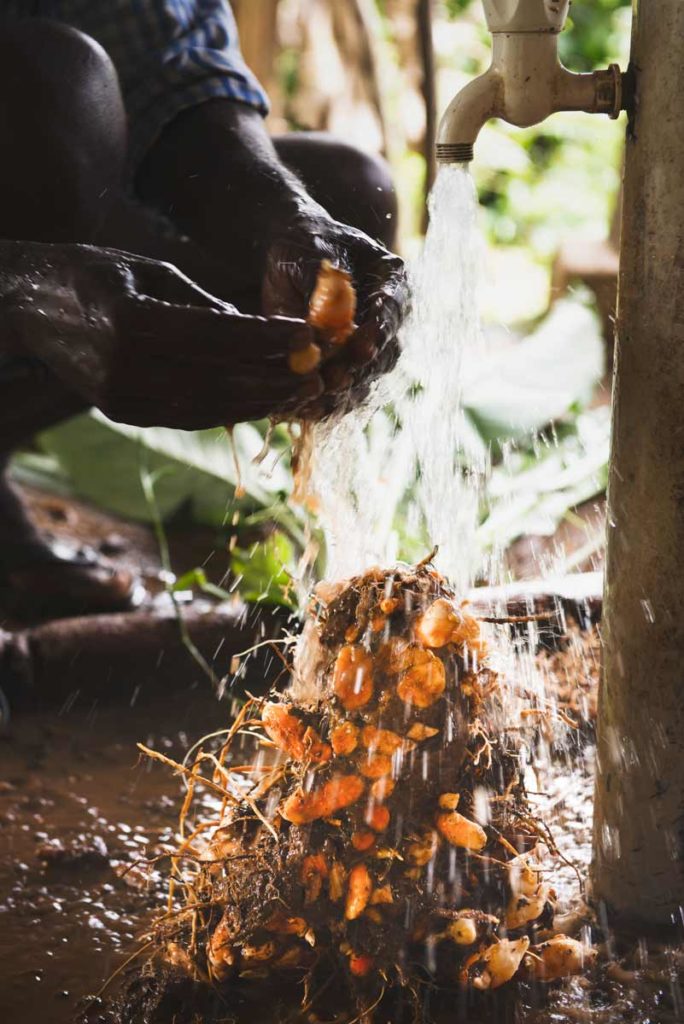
<point x="638" y="867"/>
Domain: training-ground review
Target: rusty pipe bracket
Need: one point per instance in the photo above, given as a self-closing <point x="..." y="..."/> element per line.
<point x="609" y="91"/>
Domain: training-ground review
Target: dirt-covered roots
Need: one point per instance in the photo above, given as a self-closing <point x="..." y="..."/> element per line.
<point x="381" y="834"/>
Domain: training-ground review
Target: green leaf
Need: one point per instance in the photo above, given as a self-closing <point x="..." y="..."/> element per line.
<point x="531" y="492"/>
<point x="264" y="571"/>
<point x="197" y="579"/>
<point x="102" y="461"/>
<point x="43" y="471"/>
<point x="524" y="387"/>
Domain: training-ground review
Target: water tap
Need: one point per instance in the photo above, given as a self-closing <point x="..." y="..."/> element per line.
<point x="526" y="81"/>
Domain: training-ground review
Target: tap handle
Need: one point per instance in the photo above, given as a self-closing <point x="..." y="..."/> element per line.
<point x="526" y="15"/>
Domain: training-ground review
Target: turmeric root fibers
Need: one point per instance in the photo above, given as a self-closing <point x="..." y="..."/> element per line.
<point x="381" y="833"/>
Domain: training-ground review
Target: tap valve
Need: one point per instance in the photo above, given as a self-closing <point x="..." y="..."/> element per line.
<point x="526" y="81"/>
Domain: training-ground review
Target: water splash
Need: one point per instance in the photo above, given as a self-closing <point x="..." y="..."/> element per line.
<point x="400" y="470"/>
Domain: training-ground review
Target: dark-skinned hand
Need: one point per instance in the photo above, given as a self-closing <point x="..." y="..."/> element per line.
<point x="216" y="174"/>
<point x="140" y="341"/>
<point x="293" y="258"/>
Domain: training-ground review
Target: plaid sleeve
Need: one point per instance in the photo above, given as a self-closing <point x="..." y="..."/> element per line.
<point x="169" y="54"/>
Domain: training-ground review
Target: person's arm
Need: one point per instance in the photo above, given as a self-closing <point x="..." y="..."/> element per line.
<point x="141" y="342"/>
<point x="215" y="168"/>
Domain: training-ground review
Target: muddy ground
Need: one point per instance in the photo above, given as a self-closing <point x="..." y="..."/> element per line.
<point x="76" y="808"/>
<point x="78" y="812"/>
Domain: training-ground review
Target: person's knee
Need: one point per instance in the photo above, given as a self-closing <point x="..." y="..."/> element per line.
<point x="355" y="187"/>
<point x="63" y="130"/>
<point x="368" y="180"/>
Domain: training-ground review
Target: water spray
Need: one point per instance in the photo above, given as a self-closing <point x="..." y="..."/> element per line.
<point x="526" y="81"/>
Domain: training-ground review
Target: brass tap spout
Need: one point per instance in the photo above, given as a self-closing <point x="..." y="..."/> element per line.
<point x="526" y="81"/>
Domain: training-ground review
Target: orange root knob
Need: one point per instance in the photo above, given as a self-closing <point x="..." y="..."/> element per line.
<point x="461" y="832"/>
<point x="339" y="792"/>
<point x="360" y="965"/>
<point x="468" y="635"/>
<point x="290" y="734"/>
<point x="333" y="304"/>
<point x="437" y="625"/>
<point x="363" y="841"/>
<point x="353" y="677"/>
<point x="358" y="892"/>
<point x="560" y="957"/>
<point x="344" y="739"/>
<point x="378" y="818"/>
<point x="304" y="360"/>
<point x="375" y="766"/>
<point x="381" y="741"/>
<point x="424" y="682"/>
<point x="499" y="961"/>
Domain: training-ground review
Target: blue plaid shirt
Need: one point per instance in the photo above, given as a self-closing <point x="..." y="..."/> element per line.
<point x="169" y="54"/>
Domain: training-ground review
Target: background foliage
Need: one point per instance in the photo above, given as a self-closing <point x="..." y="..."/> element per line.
<point x="543" y="186"/>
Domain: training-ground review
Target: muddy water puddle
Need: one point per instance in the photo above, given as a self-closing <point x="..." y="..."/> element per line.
<point x="76" y="810"/>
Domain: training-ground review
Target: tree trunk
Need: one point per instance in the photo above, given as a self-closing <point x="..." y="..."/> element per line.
<point x="428" y="88"/>
<point x="353" y="26"/>
<point x="339" y="90"/>
<point x="257" y="22"/>
<point x="638" y="865"/>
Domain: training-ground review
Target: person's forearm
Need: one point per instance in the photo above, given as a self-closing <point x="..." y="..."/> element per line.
<point x="136" y="228"/>
<point x="216" y="172"/>
<point x="31" y="397"/>
<point x="44" y="311"/>
<point x="23" y="283"/>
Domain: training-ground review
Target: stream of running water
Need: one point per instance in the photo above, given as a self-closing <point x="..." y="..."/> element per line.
<point x="399" y="477"/>
<point x="397" y="473"/>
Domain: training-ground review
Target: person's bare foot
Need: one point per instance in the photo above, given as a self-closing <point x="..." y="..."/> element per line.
<point x="41" y="578"/>
<point x="55" y="581"/>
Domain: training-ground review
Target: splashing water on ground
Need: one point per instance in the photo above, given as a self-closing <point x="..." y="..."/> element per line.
<point x="405" y="452"/>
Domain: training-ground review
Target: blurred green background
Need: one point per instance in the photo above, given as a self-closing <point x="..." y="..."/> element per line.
<point x="539" y="187"/>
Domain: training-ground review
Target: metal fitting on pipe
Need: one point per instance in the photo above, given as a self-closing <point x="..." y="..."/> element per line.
<point x="526" y="81"/>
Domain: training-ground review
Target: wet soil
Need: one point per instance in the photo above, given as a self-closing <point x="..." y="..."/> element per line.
<point x="76" y="809"/>
<point x="126" y="545"/>
<point x="129" y="545"/>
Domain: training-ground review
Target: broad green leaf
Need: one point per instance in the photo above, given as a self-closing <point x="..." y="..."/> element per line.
<point x="531" y="494"/>
<point x="43" y="471"/>
<point x="524" y="387"/>
<point x="264" y="571"/>
<point x="103" y="461"/>
<point x="197" y="579"/>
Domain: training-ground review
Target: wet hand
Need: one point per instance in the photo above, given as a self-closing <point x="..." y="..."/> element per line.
<point x="293" y="260"/>
<point x="144" y="344"/>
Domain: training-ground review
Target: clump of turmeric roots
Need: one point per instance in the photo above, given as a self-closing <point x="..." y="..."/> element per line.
<point x="382" y="834"/>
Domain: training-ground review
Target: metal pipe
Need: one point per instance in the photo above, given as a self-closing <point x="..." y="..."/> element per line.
<point x="638" y="868"/>
<point x="526" y="81"/>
